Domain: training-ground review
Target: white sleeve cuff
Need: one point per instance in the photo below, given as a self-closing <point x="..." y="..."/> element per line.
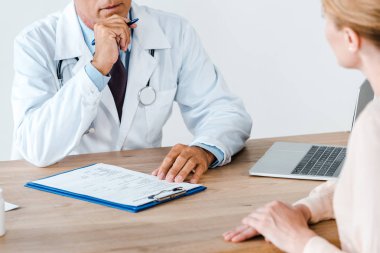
<point x="319" y="245"/>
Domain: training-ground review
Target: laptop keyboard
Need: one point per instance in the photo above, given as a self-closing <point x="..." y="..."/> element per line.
<point x="320" y="161"/>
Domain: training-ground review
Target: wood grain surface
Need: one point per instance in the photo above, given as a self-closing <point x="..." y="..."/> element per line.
<point x="51" y="223"/>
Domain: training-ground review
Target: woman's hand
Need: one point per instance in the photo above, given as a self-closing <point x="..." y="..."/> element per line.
<point x="283" y="225"/>
<point x="241" y="233"/>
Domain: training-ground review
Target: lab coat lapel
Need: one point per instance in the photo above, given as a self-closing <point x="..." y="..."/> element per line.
<point x="148" y="35"/>
<point x="69" y="38"/>
<point x="141" y="67"/>
<point x="70" y="44"/>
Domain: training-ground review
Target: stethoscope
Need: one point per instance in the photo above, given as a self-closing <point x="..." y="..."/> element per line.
<point x="146" y="96"/>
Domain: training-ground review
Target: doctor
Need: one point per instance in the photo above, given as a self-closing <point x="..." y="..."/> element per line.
<point x="85" y="82"/>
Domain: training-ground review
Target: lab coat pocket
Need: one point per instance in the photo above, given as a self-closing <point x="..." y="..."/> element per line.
<point x="158" y="113"/>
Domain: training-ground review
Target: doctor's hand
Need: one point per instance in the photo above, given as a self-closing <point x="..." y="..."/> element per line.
<point x="183" y="160"/>
<point x="111" y="35"/>
<point x="283" y="225"/>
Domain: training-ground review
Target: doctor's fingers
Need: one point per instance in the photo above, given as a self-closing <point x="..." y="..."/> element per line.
<point x="177" y="166"/>
<point x="155" y="172"/>
<point x="190" y="166"/>
<point x="199" y="171"/>
<point x="117" y="18"/>
<point x="167" y="163"/>
<point x="170" y="167"/>
<point x="122" y="34"/>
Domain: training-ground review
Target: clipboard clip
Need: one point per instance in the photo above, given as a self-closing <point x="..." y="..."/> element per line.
<point x="178" y="191"/>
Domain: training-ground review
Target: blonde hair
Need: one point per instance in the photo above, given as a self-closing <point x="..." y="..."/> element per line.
<point x="363" y="16"/>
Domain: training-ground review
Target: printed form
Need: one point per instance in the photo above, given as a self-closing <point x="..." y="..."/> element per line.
<point x="115" y="184"/>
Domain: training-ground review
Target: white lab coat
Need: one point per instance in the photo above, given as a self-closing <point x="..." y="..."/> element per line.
<point x="51" y="121"/>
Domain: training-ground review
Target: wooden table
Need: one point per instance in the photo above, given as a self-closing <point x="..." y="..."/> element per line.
<point x="51" y="223"/>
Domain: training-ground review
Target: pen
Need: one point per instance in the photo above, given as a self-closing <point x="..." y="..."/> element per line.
<point x="133" y="21"/>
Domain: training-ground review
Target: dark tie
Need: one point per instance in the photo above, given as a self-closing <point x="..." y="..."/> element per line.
<point x="118" y="85"/>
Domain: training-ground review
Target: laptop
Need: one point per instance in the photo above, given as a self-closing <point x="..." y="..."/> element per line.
<point x="308" y="161"/>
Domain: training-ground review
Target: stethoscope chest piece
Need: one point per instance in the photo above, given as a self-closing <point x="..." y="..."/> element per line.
<point x="147" y="96"/>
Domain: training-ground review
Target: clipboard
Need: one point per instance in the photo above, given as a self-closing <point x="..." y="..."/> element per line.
<point x="175" y="191"/>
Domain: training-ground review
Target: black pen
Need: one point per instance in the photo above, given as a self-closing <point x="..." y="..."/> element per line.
<point x="133" y="21"/>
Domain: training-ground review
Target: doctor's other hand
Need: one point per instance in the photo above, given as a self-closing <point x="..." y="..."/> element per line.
<point x="283" y="225"/>
<point x="111" y="35"/>
<point x="181" y="161"/>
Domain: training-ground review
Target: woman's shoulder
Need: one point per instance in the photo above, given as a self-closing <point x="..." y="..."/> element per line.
<point x="365" y="137"/>
<point x="370" y="117"/>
